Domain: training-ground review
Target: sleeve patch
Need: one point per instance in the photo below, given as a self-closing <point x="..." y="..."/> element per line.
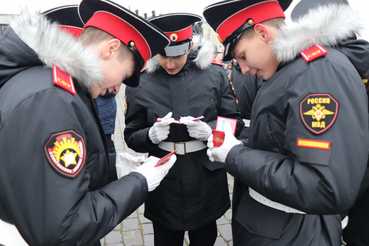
<point x="313" y="144"/>
<point x="318" y="112"/>
<point x="66" y="153"/>
<point x="314" y="156"/>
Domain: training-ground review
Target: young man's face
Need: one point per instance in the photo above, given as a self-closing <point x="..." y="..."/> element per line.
<point x="114" y="71"/>
<point x="254" y="56"/>
<point x="172" y="64"/>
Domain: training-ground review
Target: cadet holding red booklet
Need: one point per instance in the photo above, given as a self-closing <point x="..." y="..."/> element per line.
<point x="176" y="108"/>
<point x="298" y="173"/>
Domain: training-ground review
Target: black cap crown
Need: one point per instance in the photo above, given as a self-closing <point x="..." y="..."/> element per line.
<point x="304" y="6"/>
<point x="67" y="17"/>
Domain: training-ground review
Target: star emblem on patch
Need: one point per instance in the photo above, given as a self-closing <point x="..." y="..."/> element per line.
<point x="66" y="152"/>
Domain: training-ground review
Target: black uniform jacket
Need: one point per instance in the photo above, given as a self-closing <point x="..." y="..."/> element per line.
<point x="55" y="179"/>
<point x="308" y="144"/>
<point x="195" y="191"/>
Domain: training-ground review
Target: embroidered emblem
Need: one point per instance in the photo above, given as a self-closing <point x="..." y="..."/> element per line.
<point x="63" y="80"/>
<point x="66" y="153"/>
<point x="314" y="52"/>
<point x="318" y="112"/>
<point x="313" y="144"/>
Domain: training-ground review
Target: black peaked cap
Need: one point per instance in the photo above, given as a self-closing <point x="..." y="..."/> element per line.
<point x="304" y="6"/>
<point x="174" y="22"/>
<point x="154" y="39"/>
<point x="216" y="13"/>
<point x="65" y="15"/>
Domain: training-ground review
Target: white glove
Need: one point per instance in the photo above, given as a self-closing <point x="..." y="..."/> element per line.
<point x="160" y="130"/>
<point x="126" y="163"/>
<point x="220" y="153"/>
<point x="154" y="175"/>
<point x="197" y="129"/>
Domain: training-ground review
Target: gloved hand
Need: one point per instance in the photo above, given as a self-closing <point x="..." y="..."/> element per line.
<point x="220" y="153"/>
<point x="197" y="129"/>
<point x="154" y="175"/>
<point x="160" y="130"/>
<point x="126" y="163"/>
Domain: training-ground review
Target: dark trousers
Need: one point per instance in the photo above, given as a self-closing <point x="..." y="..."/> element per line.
<point x="203" y="236"/>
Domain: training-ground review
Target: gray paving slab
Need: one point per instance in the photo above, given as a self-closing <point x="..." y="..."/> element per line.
<point x="136" y="230"/>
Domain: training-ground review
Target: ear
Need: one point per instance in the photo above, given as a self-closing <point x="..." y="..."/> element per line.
<point x="262" y="32"/>
<point x="111" y="48"/>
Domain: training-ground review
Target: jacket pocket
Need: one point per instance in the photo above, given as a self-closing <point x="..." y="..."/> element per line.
<point x="261" y="220"/>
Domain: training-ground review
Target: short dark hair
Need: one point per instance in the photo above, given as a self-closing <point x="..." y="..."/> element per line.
<point x="276" y="23"/>
<point x="92" y="35"/>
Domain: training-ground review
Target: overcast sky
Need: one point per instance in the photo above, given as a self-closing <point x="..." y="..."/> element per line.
<point x="160" y="6"/>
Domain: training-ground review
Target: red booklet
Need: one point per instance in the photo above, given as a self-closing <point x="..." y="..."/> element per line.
<point x="218" y="132"/>
<point x="157" y="160"/>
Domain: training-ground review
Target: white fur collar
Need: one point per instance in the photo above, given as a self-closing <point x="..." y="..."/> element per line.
<point x="56" y="47"/>
<point x="325" y="25"/>
<point x="202" y="61"/>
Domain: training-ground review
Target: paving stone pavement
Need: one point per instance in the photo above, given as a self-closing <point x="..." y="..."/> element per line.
<point x="136" y="230"/>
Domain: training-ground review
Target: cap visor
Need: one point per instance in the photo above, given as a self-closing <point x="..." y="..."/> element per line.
<point x="134" y="80"/>
<point x="227" y="53"/>
<point x="176" y="50"/>
<point x="228" y="48"/>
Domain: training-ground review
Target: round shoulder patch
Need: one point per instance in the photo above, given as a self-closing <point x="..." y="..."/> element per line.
<point x="318" y="112"/>
<point x="66" y="152"/>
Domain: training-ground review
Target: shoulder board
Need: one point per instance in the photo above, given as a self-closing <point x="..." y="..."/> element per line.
<point x="216" y="62"/>
<point x="143" y="69"/>
<point x="314" y="52"/>
<point x="63" y="80"/>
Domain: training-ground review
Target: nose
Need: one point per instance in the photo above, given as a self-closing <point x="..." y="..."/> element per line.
<point x="115" y="89"/>
<point x="170" y="63"/>
<point x="245" y="69"/>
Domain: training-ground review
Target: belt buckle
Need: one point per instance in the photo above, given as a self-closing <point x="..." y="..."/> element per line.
<point x="179" y="152"/>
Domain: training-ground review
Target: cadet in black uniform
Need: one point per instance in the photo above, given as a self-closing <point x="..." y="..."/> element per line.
<point x="182" y="83"/>
<point x="308" y="144"/>
<point x="57" y="184"/>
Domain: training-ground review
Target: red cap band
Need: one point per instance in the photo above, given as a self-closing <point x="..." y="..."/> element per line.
<point x="258" y="13"/>
<point x="75" y="31"/>
<point x="180" y="35"/>
<point x="120" y="29"/>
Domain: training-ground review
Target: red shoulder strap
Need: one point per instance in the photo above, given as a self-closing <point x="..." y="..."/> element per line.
<point x="63" y="80"/>
<point x="313" y="53"/>
<point x="216" y="62"/>
<point x="143" y="69"/>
